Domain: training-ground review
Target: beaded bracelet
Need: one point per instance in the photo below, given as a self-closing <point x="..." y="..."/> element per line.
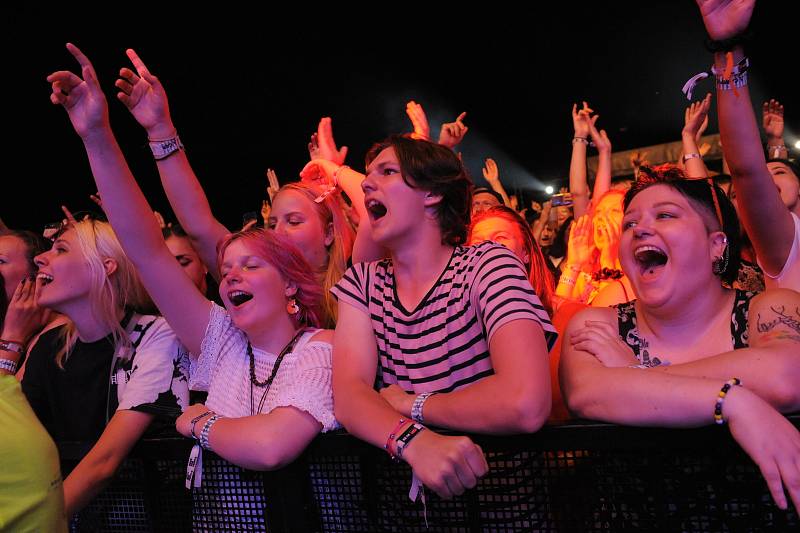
<point x="721" y="398"/>
<point x="206" y="431"/>
<point x="583" y="140"/>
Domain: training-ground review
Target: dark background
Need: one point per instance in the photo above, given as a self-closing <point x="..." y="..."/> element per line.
<point x="247" y="89"/>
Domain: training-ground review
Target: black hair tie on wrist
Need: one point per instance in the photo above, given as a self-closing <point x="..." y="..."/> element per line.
<point x="726" y="45"/>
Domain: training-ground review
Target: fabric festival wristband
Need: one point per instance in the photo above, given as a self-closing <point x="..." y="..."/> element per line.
<point x="204" y="433"/>
<point x="9" y="365"/>
<point x="12" y="346"/>
<point x="194" y="469"/>
<point x="194" y="421"/>
<point x="407" y="436"/>
<point x="418" y="405"/>
<point x="390" y="441"/>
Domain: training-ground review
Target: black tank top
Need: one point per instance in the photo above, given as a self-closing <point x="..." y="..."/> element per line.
<point x="629" y="331"/>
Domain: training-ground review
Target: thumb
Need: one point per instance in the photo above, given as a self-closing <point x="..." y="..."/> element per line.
<point x="343" y="152"/>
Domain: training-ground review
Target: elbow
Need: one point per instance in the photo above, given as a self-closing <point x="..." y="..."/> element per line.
<point x="275" y="459"/>
<point x="530" y="414"/>
<point x="579" y="400"/>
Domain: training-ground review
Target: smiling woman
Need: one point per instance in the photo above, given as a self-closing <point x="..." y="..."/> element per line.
<point x="266" y="366"/>
<point x="670" y="352"/>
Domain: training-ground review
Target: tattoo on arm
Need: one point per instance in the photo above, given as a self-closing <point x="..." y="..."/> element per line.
<point x="790" y="320"/>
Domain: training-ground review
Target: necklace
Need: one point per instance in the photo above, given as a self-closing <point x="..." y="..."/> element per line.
<point x="268" y="382"/>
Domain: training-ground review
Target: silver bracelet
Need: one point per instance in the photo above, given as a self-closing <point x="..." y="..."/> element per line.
<point x="9" y="365"/>
<point x="419" y="403"/>
<point x="206" y="431"/>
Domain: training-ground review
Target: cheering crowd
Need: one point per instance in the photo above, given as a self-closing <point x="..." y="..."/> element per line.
<point x="402" y="299"/>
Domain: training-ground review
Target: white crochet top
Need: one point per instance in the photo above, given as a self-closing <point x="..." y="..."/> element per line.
<point x="223" y="368"/>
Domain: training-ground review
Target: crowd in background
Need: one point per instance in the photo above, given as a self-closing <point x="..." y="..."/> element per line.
<point x="402" y="298"/>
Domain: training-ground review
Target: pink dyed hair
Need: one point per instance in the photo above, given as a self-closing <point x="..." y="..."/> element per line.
<point x="279" y="252"/>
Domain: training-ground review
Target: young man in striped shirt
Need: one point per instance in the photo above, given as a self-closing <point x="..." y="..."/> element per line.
<point x="436" y="317"/>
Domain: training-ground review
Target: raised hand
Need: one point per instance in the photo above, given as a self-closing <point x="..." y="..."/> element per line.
<point x="490" y="172"/>
<point x="638" y="159"/>
<point x="695" y="119"/>
<point x="144" y="96"/>
<point x="273" y="187"/>
<point x="581" y="120"/>
<point x="725" y="18"/>
<point x="82" y="98"/>
<point x="319" y="172"/>
<point x="599" y="138"/>
<point x="313" y="147"/>
<point x="453" y="133"/>
<point x="580" y="245"/>
<point x="327" y="146"/>
<point x="772" y="119"/>
<point x="419" y="120"/>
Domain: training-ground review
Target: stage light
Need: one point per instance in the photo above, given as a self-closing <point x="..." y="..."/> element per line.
<point x="797" y="145"/>
<point x="549" y="189"/>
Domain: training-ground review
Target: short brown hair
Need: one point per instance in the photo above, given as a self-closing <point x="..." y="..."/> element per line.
<point x="434" y="168"/>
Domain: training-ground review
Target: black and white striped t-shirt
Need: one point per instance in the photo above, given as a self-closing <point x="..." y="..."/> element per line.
<point x="443" y="344"/>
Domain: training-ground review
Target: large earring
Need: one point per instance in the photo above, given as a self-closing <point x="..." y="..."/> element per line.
<point x="720" y="264"/>
<point x="291" y="307"/>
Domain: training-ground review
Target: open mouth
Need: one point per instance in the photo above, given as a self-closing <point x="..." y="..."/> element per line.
<point x="45" y="278"/>
<point x="650" y="259"/>
<point x="237" y="298"/>
<point x="375" y="209"/>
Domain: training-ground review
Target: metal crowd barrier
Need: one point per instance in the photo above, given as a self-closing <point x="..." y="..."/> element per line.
<point x="580" y="476"/>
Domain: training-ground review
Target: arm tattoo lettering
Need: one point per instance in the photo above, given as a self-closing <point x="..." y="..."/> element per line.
<point x="789" y="320"/>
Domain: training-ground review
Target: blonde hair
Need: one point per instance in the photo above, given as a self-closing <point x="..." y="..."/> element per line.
<point x="330" y="212"/>
<point x="108" y="294"/>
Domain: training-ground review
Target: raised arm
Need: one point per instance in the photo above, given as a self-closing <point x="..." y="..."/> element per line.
<point x="695" y="117"/>
<point x="763" y="213"/>
<point x="602" y="180"/>
<point x="177" y="298"/>
<point x="578" y="185"/>
<point x="419" y="121"/>
<point x="452" y="133"/>
<point x="492" y="176"/>
<point x="772" y="121"/>
<point x="144" y="96"/>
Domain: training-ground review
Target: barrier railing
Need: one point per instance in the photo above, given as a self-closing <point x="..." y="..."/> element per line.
<point x="580" y="476"/>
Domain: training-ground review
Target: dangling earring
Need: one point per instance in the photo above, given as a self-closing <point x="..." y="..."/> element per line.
<point x="291" y="307"/>
<point x="720" y="264"/>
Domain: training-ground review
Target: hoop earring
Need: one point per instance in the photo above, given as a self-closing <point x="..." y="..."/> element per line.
<point x="291" y="307"/>
<point x="720" y="264"/>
